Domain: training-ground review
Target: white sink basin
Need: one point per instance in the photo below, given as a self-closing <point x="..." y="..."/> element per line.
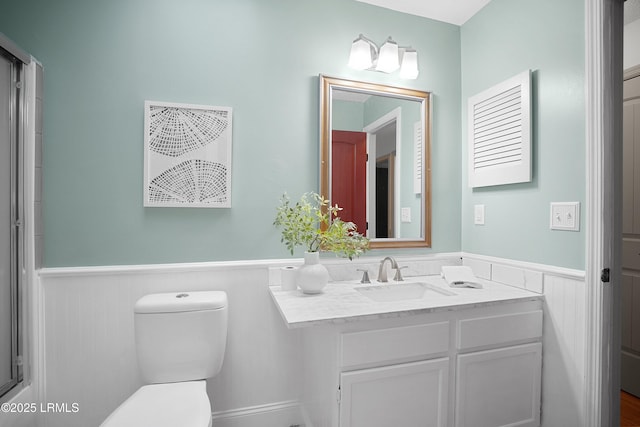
<point x="402" y="291"/>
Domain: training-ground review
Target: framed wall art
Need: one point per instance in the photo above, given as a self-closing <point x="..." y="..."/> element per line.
<point x="187" y="155"/>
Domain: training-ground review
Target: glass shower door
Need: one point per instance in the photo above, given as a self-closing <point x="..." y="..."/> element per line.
<point x="8" y="243"/>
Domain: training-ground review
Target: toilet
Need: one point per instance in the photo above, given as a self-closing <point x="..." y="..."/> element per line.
<point x="180" y="342"/>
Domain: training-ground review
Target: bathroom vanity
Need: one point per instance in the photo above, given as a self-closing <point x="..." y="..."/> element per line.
<point x="463" y="357"/>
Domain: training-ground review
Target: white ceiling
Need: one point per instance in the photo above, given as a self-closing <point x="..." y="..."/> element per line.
<point x="452" y="11"/>
<point x="459" y="11"/>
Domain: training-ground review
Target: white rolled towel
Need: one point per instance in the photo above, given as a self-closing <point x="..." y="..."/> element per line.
<point x="460" y="277"/>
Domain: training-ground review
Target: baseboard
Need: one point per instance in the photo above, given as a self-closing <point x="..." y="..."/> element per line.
<point x="283" y="414"/>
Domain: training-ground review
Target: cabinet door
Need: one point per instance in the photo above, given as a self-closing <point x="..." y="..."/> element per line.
<point x="408" y="394"/>
<point x="499" y="387"/>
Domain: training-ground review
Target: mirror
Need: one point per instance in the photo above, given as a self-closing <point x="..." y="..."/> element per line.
<point x="374" y="159"/>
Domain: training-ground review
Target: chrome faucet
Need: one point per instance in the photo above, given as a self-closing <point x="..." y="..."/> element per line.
<point x="382" y="272"/>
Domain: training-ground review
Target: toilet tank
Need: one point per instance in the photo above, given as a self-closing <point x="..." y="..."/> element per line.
<point x="180" y="336"/>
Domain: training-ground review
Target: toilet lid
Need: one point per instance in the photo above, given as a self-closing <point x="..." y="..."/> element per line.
<point x="184" y="404"/>
<point x="180" y="302"/>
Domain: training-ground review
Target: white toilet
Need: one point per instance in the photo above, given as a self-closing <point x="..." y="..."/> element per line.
<point x="180" y="341"/>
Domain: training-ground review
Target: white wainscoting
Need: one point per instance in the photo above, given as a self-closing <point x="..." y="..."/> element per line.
<point x="89" y="356"/>
<point x="564" y="352"/>
<point x="89" y="341"/>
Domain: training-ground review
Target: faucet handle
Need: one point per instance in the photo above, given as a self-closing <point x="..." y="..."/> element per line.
<point x="365" y="275"/>
<point x="398" y="276"/>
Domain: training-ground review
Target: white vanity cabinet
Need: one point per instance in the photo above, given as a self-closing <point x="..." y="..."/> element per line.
<point x="407" y="394"/>
<point x="393" y="393"/>
<point x="500" y="384"/>
<point x="477" y="367"/>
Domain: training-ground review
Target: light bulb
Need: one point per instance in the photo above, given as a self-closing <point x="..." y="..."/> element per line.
<point x="361" y="56"/>
<point x="409" y="68"/>
<point x="388" y="58"/>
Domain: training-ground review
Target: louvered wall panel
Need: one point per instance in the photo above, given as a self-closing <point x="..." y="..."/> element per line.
<point x="418" y="160"/>
<point x="499" y="133"/>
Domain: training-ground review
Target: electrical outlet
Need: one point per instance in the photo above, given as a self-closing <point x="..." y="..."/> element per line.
<point x="565" y="216"/>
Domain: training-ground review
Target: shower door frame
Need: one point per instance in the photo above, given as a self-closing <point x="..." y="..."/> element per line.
<point x="16" y="200"/>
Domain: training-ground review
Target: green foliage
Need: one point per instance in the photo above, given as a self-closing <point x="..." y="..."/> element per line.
<point x="312" y="223"/>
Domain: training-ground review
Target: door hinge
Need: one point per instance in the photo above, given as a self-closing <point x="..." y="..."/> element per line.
<point x="339" y="395"/>
<point x="18" y="85"/>
<point x="19" y="361"/>
<point x="605" y="275"/>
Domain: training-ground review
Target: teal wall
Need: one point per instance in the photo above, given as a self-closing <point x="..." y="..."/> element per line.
<point x="262" y="58"/>
<point x="347" y="115"/>
<point x="546" y="36"/>
<point x="103" y="59"/>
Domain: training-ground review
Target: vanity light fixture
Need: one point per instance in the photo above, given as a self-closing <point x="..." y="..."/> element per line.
<point x="388" y="60"/>
<point x="409" y="67"/>
<point x="365" y="55"/>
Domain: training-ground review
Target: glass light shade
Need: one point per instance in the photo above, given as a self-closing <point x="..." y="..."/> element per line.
<point x="361" y="56"/>
<point x="388" y="59"/>
<point x="409" y="68"/>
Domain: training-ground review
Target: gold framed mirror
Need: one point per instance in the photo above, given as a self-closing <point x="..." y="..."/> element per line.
<point x="375" y="159"/>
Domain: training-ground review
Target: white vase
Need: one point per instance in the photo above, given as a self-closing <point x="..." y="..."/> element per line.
<point x="312" y="276"/>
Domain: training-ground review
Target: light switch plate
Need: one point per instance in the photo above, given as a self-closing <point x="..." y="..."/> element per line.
<point x="478" y="214"/>
<point x="565" y="216"/>
<point x="405" y="213"/>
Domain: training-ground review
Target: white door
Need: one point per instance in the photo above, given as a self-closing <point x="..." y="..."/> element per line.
<point x="408" y="394"/>
<point x="499" y="387"/>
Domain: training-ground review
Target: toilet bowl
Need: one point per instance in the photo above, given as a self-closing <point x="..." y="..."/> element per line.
<point x="180" y="342"/>
<point x="183" y="404"/>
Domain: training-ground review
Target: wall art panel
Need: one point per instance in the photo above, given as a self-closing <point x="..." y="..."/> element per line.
<point x="187" y="155"/>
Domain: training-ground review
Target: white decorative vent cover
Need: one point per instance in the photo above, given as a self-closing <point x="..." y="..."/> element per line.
<point x="500" y="133"/>
<point x="187" y="156"/>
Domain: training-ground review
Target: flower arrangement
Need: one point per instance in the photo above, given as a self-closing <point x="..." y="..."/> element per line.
<point x="313" y="223"/>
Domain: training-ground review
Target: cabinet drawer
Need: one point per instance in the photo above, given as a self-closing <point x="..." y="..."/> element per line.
<point x="499" y="330"/>
<point x="386" y="345"/>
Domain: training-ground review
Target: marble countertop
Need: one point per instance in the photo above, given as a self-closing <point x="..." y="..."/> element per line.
<point x="341" y="302"/>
